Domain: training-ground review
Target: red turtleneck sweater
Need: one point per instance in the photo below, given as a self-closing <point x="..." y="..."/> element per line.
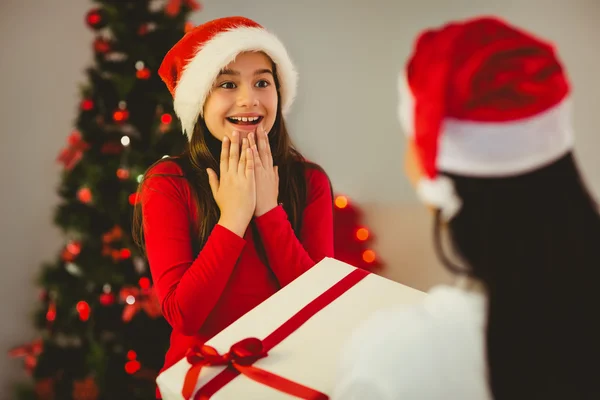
<point x="203" y="293"/>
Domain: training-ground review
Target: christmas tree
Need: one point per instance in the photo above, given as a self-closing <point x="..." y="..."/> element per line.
<point x="101" y="332"/>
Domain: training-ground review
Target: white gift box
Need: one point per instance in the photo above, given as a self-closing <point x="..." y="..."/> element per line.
<point x="309" y="355"/>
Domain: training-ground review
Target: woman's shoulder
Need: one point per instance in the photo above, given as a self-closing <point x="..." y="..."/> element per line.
<point x="444" y="307"/>
<point x="435" y="337"/>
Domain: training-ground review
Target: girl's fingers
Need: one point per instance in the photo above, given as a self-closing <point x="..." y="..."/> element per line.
<point x="225" y="154"/>
<point x="234" y="151"/>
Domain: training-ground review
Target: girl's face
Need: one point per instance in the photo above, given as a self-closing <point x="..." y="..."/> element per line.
<point x="243" y="97"/>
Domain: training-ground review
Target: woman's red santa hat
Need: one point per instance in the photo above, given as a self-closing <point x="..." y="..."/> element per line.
<point x="481" y="98"/>
<point x="191" y="66"/>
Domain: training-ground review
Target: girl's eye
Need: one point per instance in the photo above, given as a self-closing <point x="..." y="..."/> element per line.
<point x="262" y="83"/>
<point x="227" y="85"/>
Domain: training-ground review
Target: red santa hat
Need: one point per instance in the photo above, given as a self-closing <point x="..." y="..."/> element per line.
<point x="191" y="66"/>
<point x="482" y="98"/>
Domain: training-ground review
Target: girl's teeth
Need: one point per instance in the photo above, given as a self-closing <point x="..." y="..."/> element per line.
<point x="245" y="119"/>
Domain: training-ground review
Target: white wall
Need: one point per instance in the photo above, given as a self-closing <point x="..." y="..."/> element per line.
<point x="44" y="47"/>
<point x="348" y="53"/>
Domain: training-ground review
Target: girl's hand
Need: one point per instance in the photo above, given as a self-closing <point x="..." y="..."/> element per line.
<point x="267" y="176"/>
<point x="235" y="191"/>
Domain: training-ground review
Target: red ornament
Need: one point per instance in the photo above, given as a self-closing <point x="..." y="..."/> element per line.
<point x="83" y="309"/>
<point x="101" y="45"/>
<point x="96" y="18"/>
<point x="131" y="367"/>
<point x="123" y="173"/>
<point x="144" y="283"/>
<point x="120" y="115"/>
<point x="133" y="199"/>
<point x="131" y="355"/>
<point x="107" y="299"/>
<point x="166" y="119"/>
<point x="51" y="313"/>
<point x="87" y="105"/>
<point x="143" y="73"/>
<point x="84" y="195"/>
<point x="124" y="254"/>
<point x="71" y="251"/>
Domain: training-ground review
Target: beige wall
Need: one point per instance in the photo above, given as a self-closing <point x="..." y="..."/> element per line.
<point x="348" y="54"/>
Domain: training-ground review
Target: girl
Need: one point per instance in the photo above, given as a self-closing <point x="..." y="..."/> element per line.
<point x="240" y="213"/>
<point x="491" y="150"/>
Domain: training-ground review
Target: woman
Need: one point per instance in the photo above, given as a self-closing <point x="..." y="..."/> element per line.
<point x="487" y="110"/>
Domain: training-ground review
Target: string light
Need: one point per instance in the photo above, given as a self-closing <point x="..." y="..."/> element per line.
<point x="368" y="256"/>
<point x="166" y="119"/>
<point x="84" y="195"/>
<point x="362" y="234"/>
<point x="341" y="201"/>
<point x="125" y="140"/>
<point x="144" y="283"/>
<point x="83" y="309"/>
<point x="131" y="355"/>
<point x="122" y="173"/>
<point x="125" y="254"/>
<point x="133" y="366"/>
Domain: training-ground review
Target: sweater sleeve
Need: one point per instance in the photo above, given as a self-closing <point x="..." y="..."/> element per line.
<point x="188" y="285"/>
<point x="289" y="257"/>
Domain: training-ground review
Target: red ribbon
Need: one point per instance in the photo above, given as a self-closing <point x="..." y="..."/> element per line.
<point x="246" y="352"/>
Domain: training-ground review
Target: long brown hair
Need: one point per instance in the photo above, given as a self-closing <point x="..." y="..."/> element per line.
<point x="197" y="157"/>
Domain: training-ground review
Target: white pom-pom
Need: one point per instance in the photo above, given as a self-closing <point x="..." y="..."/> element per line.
<point x="440" y="193"/>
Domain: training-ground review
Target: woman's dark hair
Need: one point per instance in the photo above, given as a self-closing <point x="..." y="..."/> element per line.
<point x="534" y="242"/>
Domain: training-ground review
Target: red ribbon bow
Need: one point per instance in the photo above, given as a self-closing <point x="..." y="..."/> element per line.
<point x="174" y="6"/>
<point x="71" y="155"/>
<point x="241" y="356"/>
<point x="143" y="299"/>
<point x="29" y="352"/>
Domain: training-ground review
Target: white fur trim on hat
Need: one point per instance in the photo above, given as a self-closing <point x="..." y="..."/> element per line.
<point x="505" y="148"/>
<point x="199" y="74"/>
<point x="440" y="193"/>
